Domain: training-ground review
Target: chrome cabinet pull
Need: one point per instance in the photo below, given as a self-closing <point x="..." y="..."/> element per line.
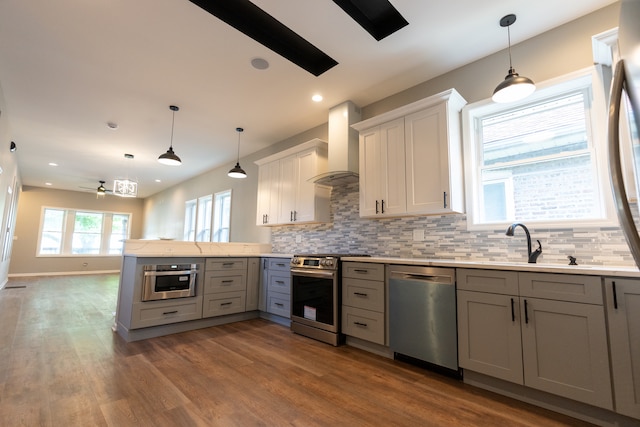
<point x="526" y="312"/>
<point x="227" y="281"/>
<point x="377" y="212"/>
<point x="382" y="206"/>
<point x="225" y="303"/>
<point x="279" y="304"/>
<point x="360" y="294"/>
<point x="513" y="313"/>
<point x="615" y="295"/>
<point x="169" y="312"/>
<point x="360" y="270"/>
<point x="364" y="325"/>
<point x="295" y="215"/>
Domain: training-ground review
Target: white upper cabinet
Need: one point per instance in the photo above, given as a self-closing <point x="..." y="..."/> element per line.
<point x="411" y="159"/>
<point x="285" y="194"/>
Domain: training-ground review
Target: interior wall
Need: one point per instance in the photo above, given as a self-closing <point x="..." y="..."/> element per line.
<point x="164" y="211"/>
<point x="32" y="200"/>
<point x="10" y="184"/>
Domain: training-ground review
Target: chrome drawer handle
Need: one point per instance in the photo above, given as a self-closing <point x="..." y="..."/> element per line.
<point x="279" y="304"/>
<point x="227" y="281"/>
<point x="280" y="282"/>
<point x="360" y="294"/>
<point x="225" y="303"/>
<point x="364" y="325"/>
<point x="359" y="270"/>
<point x="169" y="312"/>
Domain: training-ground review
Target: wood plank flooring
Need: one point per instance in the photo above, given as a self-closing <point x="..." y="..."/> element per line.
<point x="61" y="365"/>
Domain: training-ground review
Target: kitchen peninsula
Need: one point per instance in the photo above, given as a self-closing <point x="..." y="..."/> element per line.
<point x="195" y="285"/>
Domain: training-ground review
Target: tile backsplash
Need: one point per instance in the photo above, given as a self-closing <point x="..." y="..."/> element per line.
<point x="445" y="237"/>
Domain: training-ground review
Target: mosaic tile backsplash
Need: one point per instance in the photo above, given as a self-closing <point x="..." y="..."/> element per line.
<point x="445" y="237"/>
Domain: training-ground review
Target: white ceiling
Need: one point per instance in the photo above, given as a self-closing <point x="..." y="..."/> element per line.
<point x="67" y="67"/>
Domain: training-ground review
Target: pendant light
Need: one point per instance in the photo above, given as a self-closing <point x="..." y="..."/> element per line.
<point x="514" y="87"/>
<point x="237" y="171"/>
<point x="125" y="187"/>
<point x="170" y="158"/>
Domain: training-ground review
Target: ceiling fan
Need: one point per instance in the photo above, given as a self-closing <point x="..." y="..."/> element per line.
<point x="101" y="190"/>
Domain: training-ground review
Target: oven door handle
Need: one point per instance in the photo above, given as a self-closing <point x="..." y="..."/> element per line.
<point x="169" y="273"/>
<point x="307" y="273"/>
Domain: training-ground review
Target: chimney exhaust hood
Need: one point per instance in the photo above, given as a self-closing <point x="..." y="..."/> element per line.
<point x="343" y="146"/>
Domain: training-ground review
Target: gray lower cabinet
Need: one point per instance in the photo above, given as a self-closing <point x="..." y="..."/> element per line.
<point x="545" y="331"/>
<point x="275" y="293"/>
<point x="253" y="284"/>
<point x="364" y="301"/>
<point x="623" y="315"/>
<point x="155" y="313"/>
<point x="225" y="286"/>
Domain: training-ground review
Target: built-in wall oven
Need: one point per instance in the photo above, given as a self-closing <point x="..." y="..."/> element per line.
<point x="316" y="297"/>
<point x="167" y="281"/>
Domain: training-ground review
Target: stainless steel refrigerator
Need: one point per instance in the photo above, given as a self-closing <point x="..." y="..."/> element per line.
<point x="624" y="117"/>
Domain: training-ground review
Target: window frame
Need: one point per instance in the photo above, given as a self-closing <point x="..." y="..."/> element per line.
<point x="591" y="78"/>
<point x="68" y="231"/>
<point x="217" y="214"/>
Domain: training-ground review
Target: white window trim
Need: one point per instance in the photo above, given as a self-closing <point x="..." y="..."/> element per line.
<point x="67" y="233"/>
<point x="215" y="207"/>
<point x="597" y="131"/>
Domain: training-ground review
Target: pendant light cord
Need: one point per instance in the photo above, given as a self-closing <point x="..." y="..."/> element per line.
<point x="509" y="41"/>
<point x="173" y="121"/>
<point x="239" y="132"/>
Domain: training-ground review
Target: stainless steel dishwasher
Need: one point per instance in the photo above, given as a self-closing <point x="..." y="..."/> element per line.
<point x="422" y="314"/>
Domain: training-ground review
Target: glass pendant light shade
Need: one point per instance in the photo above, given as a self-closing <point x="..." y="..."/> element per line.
<point x="514" y="87"/>
<point x="170" y="158"/>
<point x="237" y="171"/>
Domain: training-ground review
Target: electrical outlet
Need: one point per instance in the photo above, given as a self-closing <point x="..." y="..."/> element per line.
<point x="298" y="238"/>
<point x="418" y="235"/>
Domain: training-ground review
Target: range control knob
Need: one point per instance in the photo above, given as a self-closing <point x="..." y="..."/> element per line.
<point x="295" y="260"/>
<point x="328" y="262"/>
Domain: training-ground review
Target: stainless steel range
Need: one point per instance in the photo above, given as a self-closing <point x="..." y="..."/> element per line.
<point x="316" y="296"/>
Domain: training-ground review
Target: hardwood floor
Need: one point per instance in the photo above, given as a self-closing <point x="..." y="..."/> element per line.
<point x="61" y="365"/>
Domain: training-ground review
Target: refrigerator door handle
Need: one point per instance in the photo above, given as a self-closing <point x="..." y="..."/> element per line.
<point x="615" y="165"/>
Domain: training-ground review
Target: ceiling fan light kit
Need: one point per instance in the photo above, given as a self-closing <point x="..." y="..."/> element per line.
<point x="237" y="171"/>
<point x="514" y="87"/>
<point x="170" y="158"/>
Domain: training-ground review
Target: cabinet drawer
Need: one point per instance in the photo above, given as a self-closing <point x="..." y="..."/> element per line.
<point x="279" y="264"/>
<point x="363" y="270"/>
<point x="216" y="266"/>
<point x="279" y="304"/>
<point x="366" y="294"/>
<point x="226" y="283"/>
<point x="223" y="303"/>
<point x="279" y="283"/>
<point x="493" y="281"/>
<point x="364" y="324"/>
<point x="155" y="313"/>
<point x="561" y="287"/>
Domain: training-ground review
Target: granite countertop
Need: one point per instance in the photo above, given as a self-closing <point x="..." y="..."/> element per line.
<point x="591" y="270"/>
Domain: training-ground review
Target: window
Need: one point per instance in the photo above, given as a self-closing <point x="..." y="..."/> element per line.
<point x="190" y="210"/>
<point x="70" y="232"/>
<point x="540" y="160"/>
<point x="222" y="216"/>
<point x="203" y="224"/>
<point x="206" y="213"/>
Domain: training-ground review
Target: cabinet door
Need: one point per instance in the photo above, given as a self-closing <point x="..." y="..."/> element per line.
<point x="382" y="178"/>
<point x="253" y="284"/>
<point x="370" y="171"/>
<point x="268" y="180"/>
<point x="393" y="197"/>
<point x="565" y="351"/>
<point x="288" y="181"/>
<point x="427" y="161"/>
<point x="489" y="339"/>
<point x="305" y="197"/>
<point x="623" y="312"/>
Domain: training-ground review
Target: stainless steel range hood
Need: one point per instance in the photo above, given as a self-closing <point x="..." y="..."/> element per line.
<point x="343" y="146"/>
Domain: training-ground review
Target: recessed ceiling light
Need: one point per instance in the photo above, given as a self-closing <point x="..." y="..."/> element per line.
<point x="158" y="180"/>
<point x="259" y="63"/>
<point x="53" y="164"/>
<point x="48" y="183"/>
<point x="316" y="98"/>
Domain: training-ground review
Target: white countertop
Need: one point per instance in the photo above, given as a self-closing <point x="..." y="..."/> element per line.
<point x="591" y="270"/>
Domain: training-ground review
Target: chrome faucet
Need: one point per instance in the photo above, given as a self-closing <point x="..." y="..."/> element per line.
<point x="533" y="256"/>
